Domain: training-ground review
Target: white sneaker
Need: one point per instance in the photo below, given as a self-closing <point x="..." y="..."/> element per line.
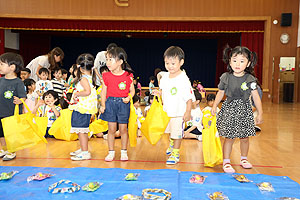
<point x="199" y="137"/>
<point x="74" y="153"/>
<point x="124" y="156"/>
<point x="110" y="157"/>
<point x="9" y="156"/>
<point x="82" y="156"/>
<point x="3" y="153"/>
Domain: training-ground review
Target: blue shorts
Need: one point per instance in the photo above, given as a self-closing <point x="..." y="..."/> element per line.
<point x="79" y="120"/>
<point x="116" y="110"/>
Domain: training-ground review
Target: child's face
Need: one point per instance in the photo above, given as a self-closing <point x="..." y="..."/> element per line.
<point x="210" y="103"/>
<point x="173" y="65"/>
<point x="239" y="63"/>
<point x="58" y="74"/>
<point x="65" y="76"/>
<point x="32" y="87"/>
<point x="43" y="76"/>
<point x="6" y="69"/>
<point x="49" y="99"/>
<point x="151" y="81"/>
<point x="24" y="75"/>
<point x="71" y="70"/>
<point x="136" y="104"/>
<point x="112" y="63"/>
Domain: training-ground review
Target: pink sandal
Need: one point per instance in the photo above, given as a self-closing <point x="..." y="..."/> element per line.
<point x="228" y="168"/>
<point x="245" y="164"/>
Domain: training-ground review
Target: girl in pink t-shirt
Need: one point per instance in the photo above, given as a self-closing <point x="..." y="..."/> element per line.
<point x="115" y="107"/>
<point x="31" y="99"/>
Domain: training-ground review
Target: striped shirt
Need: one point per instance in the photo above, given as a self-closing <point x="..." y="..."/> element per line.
<point x="58" y="86"/>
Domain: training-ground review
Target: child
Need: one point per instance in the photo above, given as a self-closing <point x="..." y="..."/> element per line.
<point x="72" y="77"/>
<point x="48" y="61"/>
<point x="146" y="98"/>
<point x="64" y="75"/>
<point x="12" y="88"/>
<point x="149" y="102"/>
<point x="177" y="97"/>
<point x="31" y="99"/>
<point x="58" y="83"/>
<point x="48" y="107"/>
<point x="210" y="100"/>
<point x="43" y="85"/>
<point x="85" y="107"/>
<point x="115" y="106"/>
<point x="235" y="119"/>
<point x="151" y="84"/>
<point x="137" y="86"/>
<point x="138" y="112"/>
<point x="194" y="126"/>
<point x="25" y="73"/>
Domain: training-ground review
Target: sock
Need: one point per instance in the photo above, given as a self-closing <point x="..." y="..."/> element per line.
<point x="226" y="161"/>
<point x="111" y="152"/>
<point x="84" y="152"/>
<point x="124" y="151"/>
<point x="4" y="148"/>
<point x="171" y="142"/>
<point x="175" y="151"/>
<point x="243" y="157"/>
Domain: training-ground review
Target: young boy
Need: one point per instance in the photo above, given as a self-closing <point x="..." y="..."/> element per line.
<point x="25" y="73"/>
<point x="151" y="84"/>
<point x="194" y="126"/>
<point x="64" y="74"/>
<point x="58" y="83"/>
<point x="177" y="97"/>
<point x="11" y="90"/>
<point x="43" y="85"/>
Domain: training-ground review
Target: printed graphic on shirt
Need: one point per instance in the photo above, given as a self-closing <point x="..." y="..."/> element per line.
<point x="122" y="86"/>
<point x="173" y="91"/>
<point x="253" y="86"/>
<point x="8" y="94"/>
<point x="244" y="86"/>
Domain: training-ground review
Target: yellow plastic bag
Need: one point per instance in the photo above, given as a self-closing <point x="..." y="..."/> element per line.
<point x="98" y="126"/>
<point x="155" y="123"/>
<point x="132" y="125"/>
<point x="212" y="149"/>
<point x="61" y="127"/>
<point x="23" y="131"/>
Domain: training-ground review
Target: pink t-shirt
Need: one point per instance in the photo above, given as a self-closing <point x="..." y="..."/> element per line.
<point x="117" y="85"/>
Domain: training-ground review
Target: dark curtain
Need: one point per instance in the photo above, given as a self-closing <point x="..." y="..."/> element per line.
<point x="2" y="40"/>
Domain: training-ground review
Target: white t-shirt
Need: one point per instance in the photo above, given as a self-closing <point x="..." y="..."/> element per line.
<point x="46" y="111"/>
<point x="196" y="120"/>
<point x="34" y="64"/>
<point x="175" y="93"/>
<point x="100" y="61"/>
<point x="43" y="86"/>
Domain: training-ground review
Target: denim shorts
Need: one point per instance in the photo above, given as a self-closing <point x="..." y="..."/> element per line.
<point x="79" y="120"/>
<point x="116" y="110"/>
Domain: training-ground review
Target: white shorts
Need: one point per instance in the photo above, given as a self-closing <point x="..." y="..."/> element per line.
<point x="175" y="128"/>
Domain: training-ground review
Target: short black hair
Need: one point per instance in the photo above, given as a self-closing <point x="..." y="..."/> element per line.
<point x="150" y="98"/>
<point x="57" y="69"/>
<point x="152" y="78"/>
<point x="135" y="98"/>
<point x="28" y="82"/>
<point x="54" y="94"/>
<point x="111" y="46"/>
<point x="197" y="94"/>
<point x="174" y="51"/>
<point x="147" y="93"/>
<point x="43" y="69"/>
<point x="210" y="97"/>
<point x="11" y="58"/>
<point x="103" y="68"/>
<point x="64" y="71"/>
<point x="26" y="70"/>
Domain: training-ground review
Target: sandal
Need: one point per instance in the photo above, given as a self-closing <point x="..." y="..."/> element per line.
<point x="228" y="168"/>
<point x="245" y="164"/>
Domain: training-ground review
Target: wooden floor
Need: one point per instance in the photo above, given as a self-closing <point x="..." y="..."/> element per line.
<point x="275" y="151"/>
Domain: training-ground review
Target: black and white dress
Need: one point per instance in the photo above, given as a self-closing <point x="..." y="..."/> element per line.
<point x="235" y="119"/>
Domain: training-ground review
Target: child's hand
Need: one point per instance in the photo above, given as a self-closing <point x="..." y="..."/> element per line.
<point x="51" y="104"/>
<point x="17" y="100"/>
<point x="102" y="109"/>
<point x="259" y="119"/>
<point x="187" y="116"/>
<point x="126" y="99"/>
<point x="156" y="93"/>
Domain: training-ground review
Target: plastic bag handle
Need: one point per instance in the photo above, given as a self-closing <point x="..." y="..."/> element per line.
<point x="17" y="107"/>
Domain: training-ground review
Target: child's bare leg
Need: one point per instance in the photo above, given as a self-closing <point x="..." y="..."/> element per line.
<point x="244" y="145"/>
<point x="3" y="143"/>
<point x="124" y="135"/>
<point x="83" y="140"/>
<point x="112" y="127"/>
<point x="190" y="135"/>
<point x="227" y="148"/>
<point x="177" y="143"/>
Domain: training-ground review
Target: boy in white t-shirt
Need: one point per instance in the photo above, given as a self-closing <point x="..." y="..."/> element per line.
<point x="194" y="126"/>
<point x="177" y="97"/>
<point x="43" y="85"/>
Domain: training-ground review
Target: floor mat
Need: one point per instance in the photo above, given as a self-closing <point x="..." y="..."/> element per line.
<point x="114" y="185"/>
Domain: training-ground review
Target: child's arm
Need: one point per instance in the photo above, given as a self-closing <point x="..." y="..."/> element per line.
<point x="17" y="100"/>
<point x="56" y="112"/>
<point x="86" y="89"/>
<point x="258" y="104"/>
<point x="103" y="97"/>
<point x="36" y="107"/>
<point x="218" y="99"/>
<point x="187" y="114"/>
<point x="131" y="91"/>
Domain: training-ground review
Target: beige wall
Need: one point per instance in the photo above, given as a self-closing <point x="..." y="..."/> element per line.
<point x="175" y="10"/>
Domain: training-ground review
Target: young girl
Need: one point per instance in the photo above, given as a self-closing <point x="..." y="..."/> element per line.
<point x="32" y="96"/>
<point x="85" y="107"/>
<point x="138" y="112"/>
<point x="72" y="77"/>
<point x="48" y="61"/>
<point x="235" y="119"/>
<point x="149" y="102"/>
<point x="48" y="107"/>
<point x="115" y="107"/>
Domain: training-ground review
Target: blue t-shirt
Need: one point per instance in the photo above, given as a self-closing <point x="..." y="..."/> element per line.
<point x="8" y="89"/>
